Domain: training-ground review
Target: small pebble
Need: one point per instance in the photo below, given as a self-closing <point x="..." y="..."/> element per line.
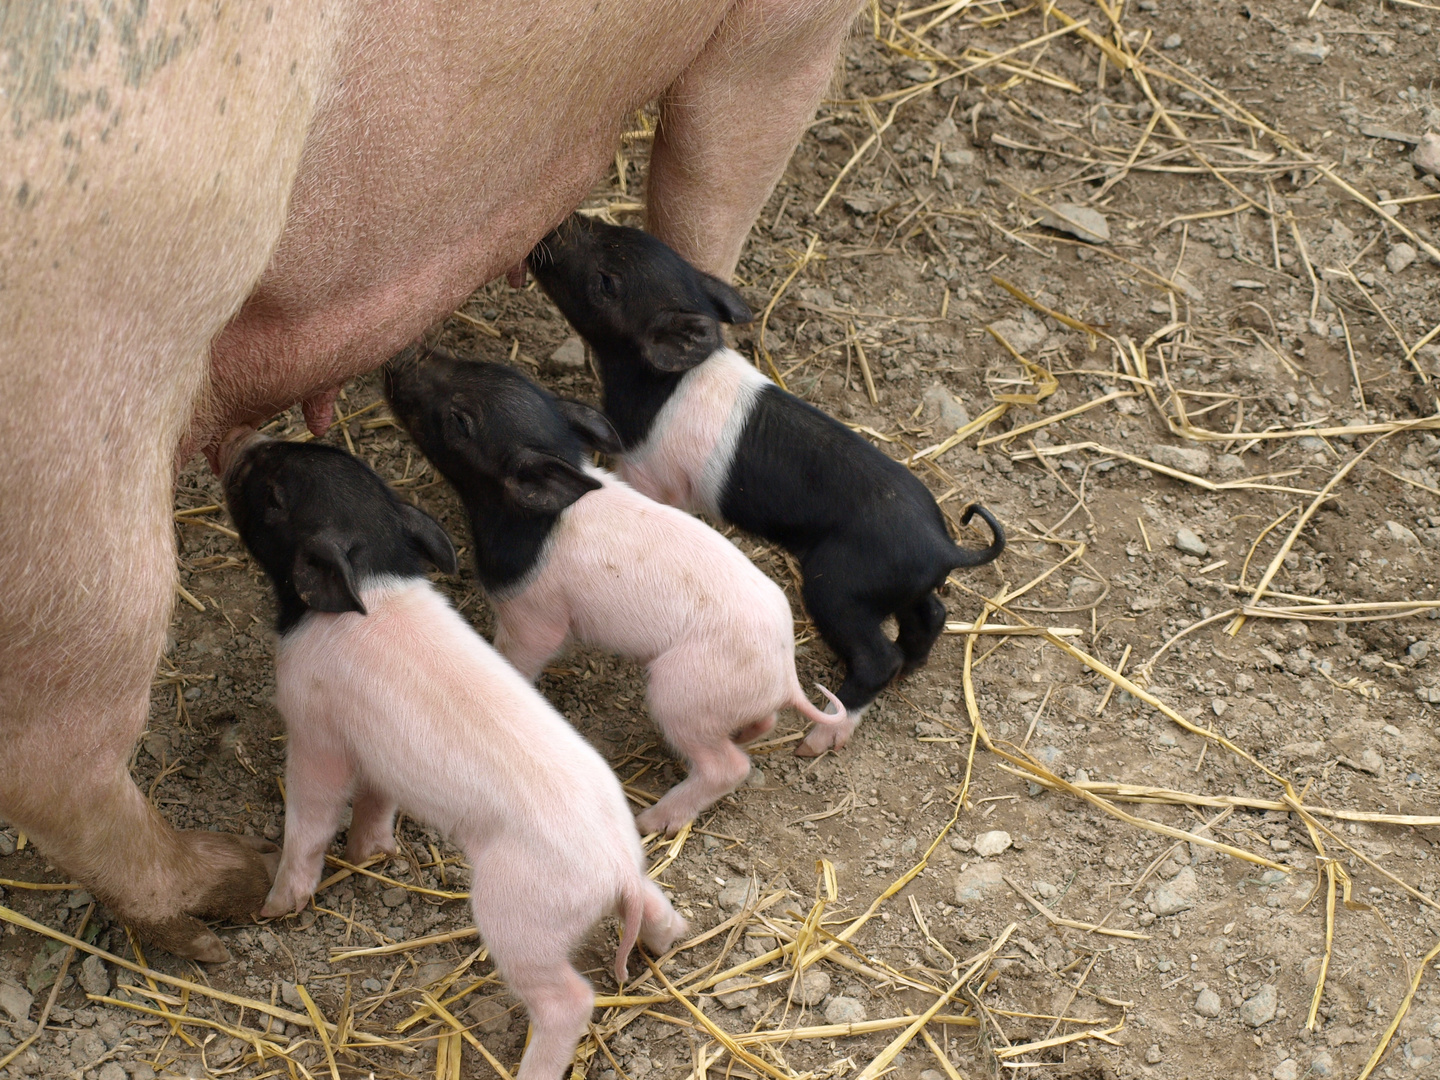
<point x="1187" y="459"/>
<point x="978" y="883"/>
<point x="1289" y="1069"/>
<point x="1208" y="1003"/>
<point x="393" y="897"/>
<point x="1322" y="1064"/>
<point x="569" y="357"/>
<point x="1177" y="895"/>
<point x="1260" y="1009"/>
<point x="1189" y="543"/>
<point x="1153" y="1055"/>
<point x="992" y="843"/>
<point x="813" y="988"/>
<point x="844" y="1010"/>
<point x="1046" y="890"/>
<point x="1171" y="42"/>
<point x="1420" y="1054"/>
<point x="1427" y="154"/>
<point x="111" y="1070"/>
<point x="1313" y="51"/>
<point x="1083" y="222"/>
<point x="1399" y="257"/>
<point x="736" y="993"/>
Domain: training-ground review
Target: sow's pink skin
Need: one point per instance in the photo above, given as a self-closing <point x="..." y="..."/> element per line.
<point x="390" y="698"/>
<point x="567" y="550"/>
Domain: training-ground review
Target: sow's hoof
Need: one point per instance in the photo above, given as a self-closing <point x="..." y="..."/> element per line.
<point x="225" y="877"/>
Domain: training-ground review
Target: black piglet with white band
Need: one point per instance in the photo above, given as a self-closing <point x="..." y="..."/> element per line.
<point x="703" y="430"/>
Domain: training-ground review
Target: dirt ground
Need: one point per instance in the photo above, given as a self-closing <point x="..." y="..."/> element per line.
<point x="1242" y="281"/>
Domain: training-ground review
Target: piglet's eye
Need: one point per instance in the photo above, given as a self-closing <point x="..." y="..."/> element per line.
<point x="609" y="283"/>
<point x="463" y="422"/>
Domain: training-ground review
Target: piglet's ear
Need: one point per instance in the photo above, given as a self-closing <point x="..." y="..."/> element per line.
<point x="679" y="340"/>
<point x="324" y="576"/>
<point x="433" y="542"/>
<point x="731" y="307"/>
<point x="545" y="484"/>
<point x="591" y="425"/>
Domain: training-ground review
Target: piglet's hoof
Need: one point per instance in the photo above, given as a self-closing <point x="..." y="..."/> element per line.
<point x="227" y="877"/>
<point x="658" y="819"/>
<point x="824" y="737"/>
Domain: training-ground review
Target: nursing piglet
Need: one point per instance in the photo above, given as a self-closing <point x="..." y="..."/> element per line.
<point x="567" y="550"/>
<point x="390" y="697"/>
<point x="701" y="429"/>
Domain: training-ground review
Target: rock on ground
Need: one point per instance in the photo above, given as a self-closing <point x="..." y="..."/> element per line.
<point x="978" y="883"/>
<point x="1176" y="895"/>
<point x="739" y="892"/>
<point x="844" y="1010"/>
<point x="992" y="843"/>
<point x="93" y="976"/>
<point x="1420" y="1054"/>
<point x="736" y="993"/>
<point x="1313" y="51"/>
<point x="1289" y="1069"/>
<point x="569" y="356"/>
<point x="1260" y="1009"/>
<point x="1208" y="1003"/>
<point x="15" y="1000"/>
<point x="949" y="414"/>
<point x="1189" y="542"/>
<point x="1082" y="222"/>
<point x="814" y="986"/>
<point x="1399" y="257"/>
<point x="1427" y="154"/>
<point x="1188" y="459"/>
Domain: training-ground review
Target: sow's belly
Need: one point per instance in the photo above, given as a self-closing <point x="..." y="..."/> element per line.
<point x="454" y="137"/>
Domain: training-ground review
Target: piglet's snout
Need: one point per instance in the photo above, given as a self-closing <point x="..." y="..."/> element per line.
<point x="234" y="445"/>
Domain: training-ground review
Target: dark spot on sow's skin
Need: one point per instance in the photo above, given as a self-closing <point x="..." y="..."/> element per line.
<point x="52" y="49"/>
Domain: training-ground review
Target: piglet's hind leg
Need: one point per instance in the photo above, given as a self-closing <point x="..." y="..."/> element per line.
<point x="530" y="939"/>
<point x="372" y="826"/>
<point x="717" y="767"/>
<point x="317" y="787"/>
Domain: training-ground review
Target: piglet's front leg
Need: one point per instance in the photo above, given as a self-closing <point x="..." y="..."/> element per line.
<point x="317" y="788"/>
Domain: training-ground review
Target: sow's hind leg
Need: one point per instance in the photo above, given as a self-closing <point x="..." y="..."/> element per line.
<point x="162" y="233"/>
